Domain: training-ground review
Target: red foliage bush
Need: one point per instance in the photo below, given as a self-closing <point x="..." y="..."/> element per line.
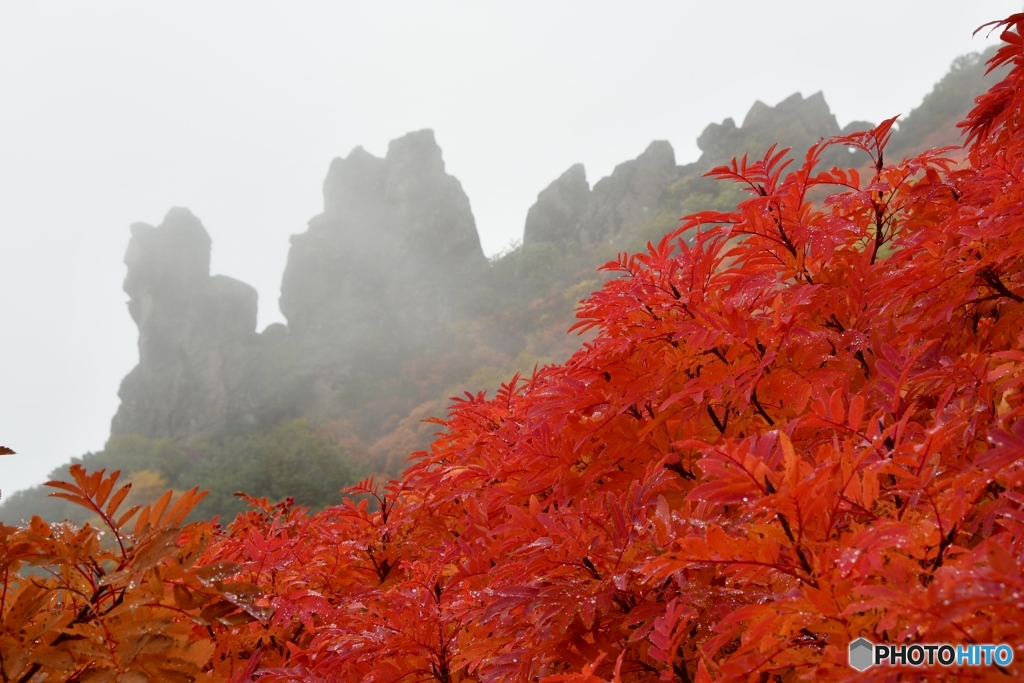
<point x="135" y="607"/>
<point x="798" y="424"/>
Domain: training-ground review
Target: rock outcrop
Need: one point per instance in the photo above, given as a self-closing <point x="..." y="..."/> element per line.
<point x="392" y="259"/>
<point x="379" y="276"/>
<point x="631" y="195"/>
<point x="390" y="255"/>
<point x="795" y="122"/>
<point x="197" y="333"/>
<point x="560" y="210"/>
<point x="568" y="212"/>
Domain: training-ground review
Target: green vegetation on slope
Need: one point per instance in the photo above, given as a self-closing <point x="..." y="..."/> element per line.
<point x="947" y="103"/>
<point x="290" y="460"/>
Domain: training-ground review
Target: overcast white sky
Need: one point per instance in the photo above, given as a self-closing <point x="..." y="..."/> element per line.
<point x="113" y="112"/>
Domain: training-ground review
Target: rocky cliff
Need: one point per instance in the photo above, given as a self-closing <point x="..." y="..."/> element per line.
<point x="635" y="194"/>
<point x="375" y="278"/>
<point x="795" y="122"/>
<point x="567" y="211"/>
<point x="390" y="302"/>
<point x="381" y="277"/>
<point x="197" y="333"/>
<point x="391" y="250"/>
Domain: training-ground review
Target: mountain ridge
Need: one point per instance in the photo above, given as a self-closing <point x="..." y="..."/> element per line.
<point x="390" y="302"/>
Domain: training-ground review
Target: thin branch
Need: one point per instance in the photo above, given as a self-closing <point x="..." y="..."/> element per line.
<point x="760" y="409"/>
<point x="993" y="280"/>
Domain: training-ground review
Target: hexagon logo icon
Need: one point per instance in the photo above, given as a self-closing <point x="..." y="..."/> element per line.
<point x="861" y="654"/>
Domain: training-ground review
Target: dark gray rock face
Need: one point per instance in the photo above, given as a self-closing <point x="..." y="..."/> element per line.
<point x="196" y="333"/>
<point x="631" y="195"/>
<point x="390" y="254"/>
<point x="394" y="256"/>
<point x="560" y="209"/>
<point x="568" y="212"/>
<point x="795" y="122"/>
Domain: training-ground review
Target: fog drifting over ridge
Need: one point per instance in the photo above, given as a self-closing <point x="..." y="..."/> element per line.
<point x="115" y="112"/>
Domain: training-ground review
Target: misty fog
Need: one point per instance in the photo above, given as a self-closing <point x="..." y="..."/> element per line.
<point x="115" y="112"/>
